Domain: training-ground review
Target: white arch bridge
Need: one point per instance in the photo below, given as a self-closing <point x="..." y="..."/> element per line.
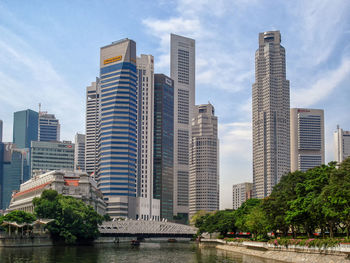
<point x="145" y="229"/>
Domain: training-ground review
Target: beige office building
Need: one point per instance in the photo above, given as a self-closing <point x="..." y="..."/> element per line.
<point x="182" y="71"/>
<point x="204" y="161"/>
<point x="341" y="144"/>
<point x="91" y="127"/>
<point x="241" y="193"/>
<point x="307" y="147"/>
<point x="271" y="134"/>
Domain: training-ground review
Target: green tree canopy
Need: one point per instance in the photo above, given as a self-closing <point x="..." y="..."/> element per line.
<point x="74" y="220"/>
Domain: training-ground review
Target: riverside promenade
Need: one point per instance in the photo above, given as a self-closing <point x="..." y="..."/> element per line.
<point x="295" y="254"/>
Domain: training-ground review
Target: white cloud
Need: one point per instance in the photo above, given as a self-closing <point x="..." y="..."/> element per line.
<point x="28" y="78"/>
<point x="322" y="88"/>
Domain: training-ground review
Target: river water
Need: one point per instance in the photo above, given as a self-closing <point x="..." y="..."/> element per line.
<point x="147" y="252"/>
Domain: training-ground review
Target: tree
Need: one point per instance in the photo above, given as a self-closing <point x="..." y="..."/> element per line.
<point x="73" y="219"/>
<point x="257" y="222"/>
<point x="19" y="217"/>
<point x="243" y="211"/>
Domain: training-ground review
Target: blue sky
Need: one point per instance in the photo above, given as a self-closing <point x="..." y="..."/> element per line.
<point x="49" y="53"/>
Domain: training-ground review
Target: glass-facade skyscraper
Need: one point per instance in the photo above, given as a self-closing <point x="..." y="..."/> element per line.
<point x="117" y="128"/>
<point x="25" y="128"/>
<point x="163" y="168"/>
<point x="49" y="127"/>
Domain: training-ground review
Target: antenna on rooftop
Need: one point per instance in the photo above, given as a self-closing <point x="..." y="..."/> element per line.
<point x="39" y="107"/>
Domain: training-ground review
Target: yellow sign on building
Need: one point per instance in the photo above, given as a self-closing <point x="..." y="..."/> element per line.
<point x="111" y="60"/>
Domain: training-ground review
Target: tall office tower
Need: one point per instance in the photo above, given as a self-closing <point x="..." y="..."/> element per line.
<point x="118" y="135"/>
<point x="164" y="144"/>
<point x="49" y="156"/>
<point x="1" y="130"/>
<point x="241" y="193"/>
<point x="306" y="139"/>
<point x="341" y="144"/>
<point x="16" y="170"/>
<point x="147" y="207"/>
<point x="25" y="128"/>
<point x="271" y="146"/>
<point x="91" y="127"/>
<point x="49" y="127"/>
<point x="182" y="71"/>
<point x="79" y="152"/>
<point x="204" y="161"/>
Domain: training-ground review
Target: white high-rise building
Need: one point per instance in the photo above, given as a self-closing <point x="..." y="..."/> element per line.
<point x="79" y="152"/>
<point x="91" y="128"/>
<point x="341" y="144"/>
<point x="271" y="134"/>
<point x="182" y="71"/>
<point x="147" y="207"/>
<point x="204" y="161"/>
<point x="241" y="193"/>
<point x="306" y="139"/>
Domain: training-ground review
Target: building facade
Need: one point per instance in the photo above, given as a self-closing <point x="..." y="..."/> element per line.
<point x="241" y="193"/>
<point x="25" y="128"/>
<point x="91" y="127"/>
<point x="307" y="146"/>
<point x="204" y="161"/>
<point x="182" y="71"/>
<point x="118" y="128"/>
<point x="79" y="152"/>
<point x="49" y="156"/>
<point x="163" y="189"/>
<point x="271" y="120"/>
<point x="77" y="185"/>
<point x="341" y="144"/>
<point x="15" y="170"/>
<point x="1" y="130"/>
<point x="49" y="127"/>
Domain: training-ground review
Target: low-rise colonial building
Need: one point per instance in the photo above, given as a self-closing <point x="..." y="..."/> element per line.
<point x="76" y="184"/>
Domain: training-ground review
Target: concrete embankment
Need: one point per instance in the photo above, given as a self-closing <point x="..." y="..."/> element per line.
<point x="25" y="241"/>
<point x="283" y="254"/>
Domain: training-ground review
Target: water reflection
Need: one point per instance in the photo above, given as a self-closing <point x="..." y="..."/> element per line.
<point x="147" y="253"/>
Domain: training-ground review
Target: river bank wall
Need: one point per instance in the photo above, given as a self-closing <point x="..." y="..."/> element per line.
<point x="294" y="254"/>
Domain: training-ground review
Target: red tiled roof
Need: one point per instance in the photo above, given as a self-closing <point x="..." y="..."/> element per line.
<point x="32" y="189"/>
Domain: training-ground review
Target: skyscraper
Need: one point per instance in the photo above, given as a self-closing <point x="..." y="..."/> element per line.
<point x="182" y="71"/>
<point x="49" y="156"/>
<point x="91" y="127"/>
<point x="1" y="132"/>
<point x="25" y="128"/>
<point x="271" y="134"/>
<point x="306" y="138"/>
<point x="16" y="170"/>
<point x="164" y="144"/>
<point x="49" y="127"/>
<point x="204" y="161"/>
<point x="147" y="207"/>
<point x="241" y="193"/>
<point x="117" y="134"/>
<point x="341" y="144"/>
<point x="79" y="152"/>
